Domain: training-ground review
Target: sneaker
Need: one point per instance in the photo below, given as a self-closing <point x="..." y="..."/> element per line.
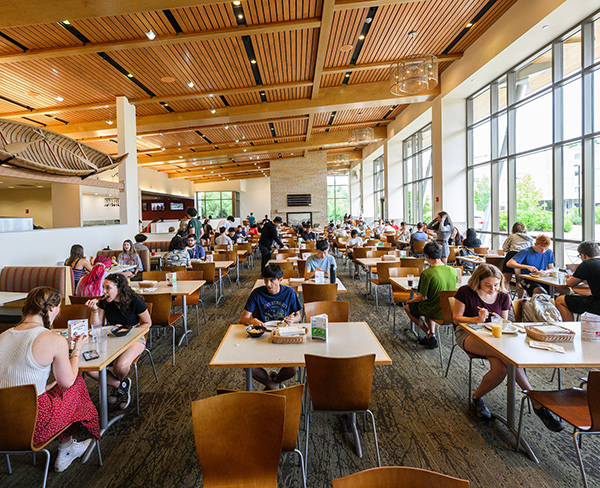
<point x="424" y="341"/>
<point x="67" y="455"/>
<point x="481" y="408"/>
<point x="432" y="342"/>
<point x="550" y="421"/>
<point x="114" y="396"/>
<point x="125" y="392"/>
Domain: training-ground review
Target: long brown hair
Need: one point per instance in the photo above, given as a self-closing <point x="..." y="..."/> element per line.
<point x="76" y="253"/>
<point x="126" y="295"/>
<point x="39" y="301"/>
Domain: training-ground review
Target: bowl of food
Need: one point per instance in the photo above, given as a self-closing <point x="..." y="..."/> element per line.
<point x="255" y="331"/>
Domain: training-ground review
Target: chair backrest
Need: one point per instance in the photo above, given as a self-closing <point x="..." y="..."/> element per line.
<point x="301" y="267"/>
<point x="245" y="246"/>
<point x="481" y="250"/>
<point x="77" y="300"/>
<point x="290" y="273"/>
<point x="372" y="242"/>
<point x="208" y="270"/>
<point x="190" y="275"/>
<point x="418" y="246"/>
<point x="338" y="384"/>
<point x="285" y="255"/>
<point x="391" y="238"/>
<point x="286" y="265"/>
<point x="161" y="308"/>
<point x="239" y="438"/>
<point x="452" y="255"/>
<point x="413" y="263"/>
<point x="518" y="309"/>
<point x="398" y="476"/>
<point x="495" y="261"/>
<point x="593" y="395"/>
<point x="376" y="254"/>
<point x="359" y="252"/>
<point x="336" y="311"/>
<point x="447" y="303"/>
<point x="221" y="246"/>
<point x="173" y="269"/>
<point x="310" y="244"/>
<point x="401" y="273"/>
<point x="383" y="271"/>
<point x="293" y="411"/>
<point x="312" y="292"/>
<point x="71" y="312"/>
<point x="225" y="256"/>
<point x="18" y="411"/>
<point x="155" y="275"/>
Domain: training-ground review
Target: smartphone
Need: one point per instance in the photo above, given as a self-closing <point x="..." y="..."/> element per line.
<point x="475" y="326"/>
<point x="89" y="355"/>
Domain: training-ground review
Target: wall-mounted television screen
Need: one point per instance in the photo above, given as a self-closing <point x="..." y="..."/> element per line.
<point x="157" y="206"/>
<point x="176" y="205"/>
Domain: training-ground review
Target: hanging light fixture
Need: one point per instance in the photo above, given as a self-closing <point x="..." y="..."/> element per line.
<point x="362" y="136"/>
<point x="341" y="158"/>
<point x="414" y="75"/>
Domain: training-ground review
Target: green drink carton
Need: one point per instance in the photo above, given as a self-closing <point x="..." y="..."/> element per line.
<point x="318" y="327"/>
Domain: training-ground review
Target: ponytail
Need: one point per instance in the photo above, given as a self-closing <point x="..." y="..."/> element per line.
<point x="39" y="301"/>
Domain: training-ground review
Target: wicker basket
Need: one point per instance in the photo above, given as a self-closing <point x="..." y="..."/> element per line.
<point x="277" y="339"/>
<point x="568" y="336"/>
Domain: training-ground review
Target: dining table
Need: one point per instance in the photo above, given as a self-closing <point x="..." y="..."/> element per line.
<point x="369" y="264"/>
<point x="11" y="296"/>
<point x="219" y="267"/>
<point x="516" y="352"/>
<point x="296" y="283"/>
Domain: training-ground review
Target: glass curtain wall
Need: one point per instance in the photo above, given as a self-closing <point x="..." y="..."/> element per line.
<point x="218" y="204"/>
<point x="418" y="182"/>
<point x="338" y="197"/>
<point x="533" y="146"/>
<point x="379" y="187"/>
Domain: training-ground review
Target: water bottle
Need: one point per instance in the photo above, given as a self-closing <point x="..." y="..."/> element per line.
<point x="332" y="274"/>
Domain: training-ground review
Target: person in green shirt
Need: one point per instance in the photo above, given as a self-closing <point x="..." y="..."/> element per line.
<point x="426" y="305"/>
<point x="194" y="226"/>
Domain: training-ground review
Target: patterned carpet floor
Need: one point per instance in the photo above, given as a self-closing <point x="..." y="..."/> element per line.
<point x="422" y="418"/>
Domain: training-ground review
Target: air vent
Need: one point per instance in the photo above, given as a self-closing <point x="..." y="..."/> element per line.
<point x="299" y="200"/>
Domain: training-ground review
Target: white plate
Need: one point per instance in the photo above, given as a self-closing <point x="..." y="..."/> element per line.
<point x="506" y="328"/>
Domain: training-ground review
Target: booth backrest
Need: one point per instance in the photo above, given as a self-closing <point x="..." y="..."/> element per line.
<point x="157" y="245"/>
<point x="26" y="278"/>
<point x="113" y="253"/>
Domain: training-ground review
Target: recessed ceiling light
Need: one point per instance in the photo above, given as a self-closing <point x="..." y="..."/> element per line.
<point x="167" y="79"/>
<point x="237" y="3"/>
<point x="253" y="61"/>
<point x="162" y="148"/>
<point x="150" y="35"/>
<point x="66" y="22"/>
<point x="212" y="110"/>
<point x="191" y="84"/>
<point x="40" y="186"/>
<point x="129" y="75"/>
<point x="361" y="37"/>
<point x="139" y="137"/>
<point x="240" y="16"/>
<point x="245" y="150"/>
<point x="237" y="140"/>
<point x="347" y="75"/>
<point x="59" y="98"/>
<point x="109" y="122"/>
<point x="368" y="20"/>
<point x="469" y="25"/>
<point x="95" y="193"/>
<point x="226" y="127"/>
<point x="11" y="186"/>
<point x="211" y="95"/>
<point x="412" y="34"/>
<point x="180" y="157"/>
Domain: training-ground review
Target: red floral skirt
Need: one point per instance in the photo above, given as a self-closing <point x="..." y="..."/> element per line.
<point x="60" y="407"/>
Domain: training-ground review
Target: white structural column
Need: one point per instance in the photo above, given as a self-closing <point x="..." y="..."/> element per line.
<point x="394" y="179"/>
<point x="128" y="170"/>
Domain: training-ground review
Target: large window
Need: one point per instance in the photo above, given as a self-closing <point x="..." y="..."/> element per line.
<point x="533" y="154"/>
<point x="338" y="197"/>
<point x="418" y="192"/>
<point x="379" y="187"/>
<point x="218" y="204"/>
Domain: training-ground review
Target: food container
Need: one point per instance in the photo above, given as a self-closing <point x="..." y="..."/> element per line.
<point x="590" y="327"/>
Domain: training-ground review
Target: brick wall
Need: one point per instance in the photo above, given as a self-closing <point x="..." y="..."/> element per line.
<point x="300" y="175"/>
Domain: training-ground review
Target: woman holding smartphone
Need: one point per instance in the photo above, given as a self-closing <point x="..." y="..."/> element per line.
<point x="121" y="306"/>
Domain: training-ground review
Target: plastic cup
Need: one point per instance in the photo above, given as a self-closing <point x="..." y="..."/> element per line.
<point x="102" y="342"/>
<point x="497" y="329"/>
<point x="411" y="279"/>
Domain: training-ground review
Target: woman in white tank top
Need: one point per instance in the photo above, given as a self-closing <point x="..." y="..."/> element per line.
<point x="27" y="353"/>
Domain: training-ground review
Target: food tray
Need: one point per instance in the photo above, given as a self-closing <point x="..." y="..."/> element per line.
<point x="531" y="331"/>
<point x="277" y="339"/>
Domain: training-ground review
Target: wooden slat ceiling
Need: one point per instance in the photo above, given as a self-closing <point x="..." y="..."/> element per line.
<point x="259" y="104"/>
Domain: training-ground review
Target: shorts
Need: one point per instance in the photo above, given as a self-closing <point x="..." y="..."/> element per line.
<point x="414" y="309"/>
<point x="445" y="248"/>
<point x="460" y="335"/>
<point x="529" y="286"/>
<point x="583" y="303"/>
<point x="509" y="256"/>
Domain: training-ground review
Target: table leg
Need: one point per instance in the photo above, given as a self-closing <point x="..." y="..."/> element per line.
<point x="185" y="327"/>
<point x="249" y="379"/>
<point x="237" y="269"/>
<point x="221" y="296"/>
<point x="103" y="397"/>
<point x="369" y="274"/>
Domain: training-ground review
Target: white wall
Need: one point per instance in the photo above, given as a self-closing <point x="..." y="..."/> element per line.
<point x="256" y="198"/>
<point x="154" y="181"/>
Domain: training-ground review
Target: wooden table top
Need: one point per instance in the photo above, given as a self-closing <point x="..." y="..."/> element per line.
<point x="298" y="285"/>
<point x="120" y="268"/>
<point x="515" y="349"/>
<point x="116" y="346"/>
<point x="403" y="282"/>
<point x="218" y="264"/>
<point x="471" y="259"/>
<point x="239" y="350"/>
<point x="186" y="287"/>
<point x="370" y="262"/>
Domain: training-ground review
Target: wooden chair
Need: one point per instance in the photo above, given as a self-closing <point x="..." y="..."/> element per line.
<point x="221" y="247"/>
<point x="290" y="273"/>
<point x="195" y="298"/>
<point x="481" y="250"/>
<point x="452" y="255"/>
<point x="209" y="275"/>
<point x="418" y="247"/>
<point x="578" y="407"/>
<point x="173" y="269"/>
<point x="399" y="295"/>
<point x="310" y="245"/>
<point x="336" y="311"/>
<point x="376" y="254"/>
<point x="518" y="309"/>
<point x="225" y="256"/>
<point x="71" y="312"/>
<point x="383" y="279"/>
<point x="497" y="261"/>
<point x="301" y="267"/>
<point x="391" y="239"/>
<point x="249" y="258"/>
<point x="413" y="263"/>
<point x="286" y="265"/>
<point x="155" y="276"/>
<point x="77" y="300"/>
<point x="161" y="314"/>
<point x="313" y="292"/>
<point x="340" y="386"/>
<point x="293" y="411"/>
<point x="447" y="303"/>
<point x="399" y="476"/>
<point x="372" y="242"/>
<point x="18" y="411"/>
<point x="359" y="253"/>
<point x="239" y="438"/>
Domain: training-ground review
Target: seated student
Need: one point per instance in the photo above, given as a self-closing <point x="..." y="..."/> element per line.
<point x="273" y="301"/>
<point x="456" y="239"/>
<point x="403" y="232"/>
<point x="484" y="295"/>
<point x="588" y="270"/>
<point x="388" y="228"/>
<point x="28" y="352"/>
<point x="306" y="233"/>
<point x="139" y="242"/>
<point x="253" y="230"/>
<point x="240" y="234"/>
<point x="77" y="261"/>
<point x="177" y="255"/>
<point x="321" y="261"/>
<point x="352" y="243"/>
<point x="471" y="241"/>
<point x="195" y="250"/>
<point x="231" y="234"/>
<point x="129" y="256"/>
<point x="223" y="238"/>
<point x="91" y="284"/>
<point x="426" y="305"/>
<point x="361" y="228"/>
<point x="420" y="235"/>
<point x="535" y="258"/>
<point x="395" y="226"/>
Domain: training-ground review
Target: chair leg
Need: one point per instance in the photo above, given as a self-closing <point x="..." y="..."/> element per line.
<point x="306" y="448"/>
<point x="520" y="424"/>
<point x="376" y="299"/>
<point x="297" y="451"/>
<point x="470" y="375"/>
<point x="99" y="453"/>
<point x="47" y="453"/>
<point x="375" y="435"/>
<point x="197" y="319"/>
<point x="173" y="329"/>
<point x="8" y="464"/>
<point x="579" y="458"/>
<point x="137" y="390"/>
<point x="203" y="311"/>
<point x="440" y="348"/>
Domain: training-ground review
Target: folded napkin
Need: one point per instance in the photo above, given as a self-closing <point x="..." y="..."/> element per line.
<point x="296" y="280"/>
<point x="547" y="346"/>
<point x="291" y="331"/>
